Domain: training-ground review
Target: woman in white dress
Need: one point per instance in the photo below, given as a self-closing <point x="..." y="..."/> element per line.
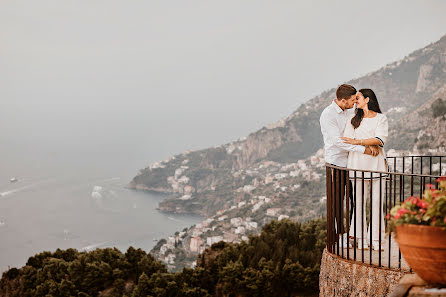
<point x="368" y="127"/>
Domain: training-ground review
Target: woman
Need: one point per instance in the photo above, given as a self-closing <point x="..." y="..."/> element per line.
<point x="368" y="127"/>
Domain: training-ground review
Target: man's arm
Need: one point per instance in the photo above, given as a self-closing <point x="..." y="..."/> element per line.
<point x="333" y="136"/>
<point x="372" y="144"/>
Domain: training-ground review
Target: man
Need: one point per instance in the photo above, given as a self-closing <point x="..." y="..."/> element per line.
<point x="333" y="120"/>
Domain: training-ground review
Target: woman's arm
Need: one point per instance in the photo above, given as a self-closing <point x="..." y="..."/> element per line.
<point x="366" y="142"/>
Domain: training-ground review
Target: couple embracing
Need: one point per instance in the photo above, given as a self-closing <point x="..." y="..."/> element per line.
<point x="354" y="131"/>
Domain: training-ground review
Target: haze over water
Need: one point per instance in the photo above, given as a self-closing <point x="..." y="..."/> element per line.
<point x="57" y="203"/>
<point x="92" y="91"/>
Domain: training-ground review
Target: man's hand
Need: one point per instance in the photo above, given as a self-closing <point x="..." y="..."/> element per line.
<point x="351" y="140"/>
<point x="372" y="150"/>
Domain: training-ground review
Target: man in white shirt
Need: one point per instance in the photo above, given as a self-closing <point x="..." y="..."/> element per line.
<point x="333" y="120"/>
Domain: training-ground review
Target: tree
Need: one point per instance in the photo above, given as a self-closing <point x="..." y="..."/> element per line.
<point x="143" y="288"/>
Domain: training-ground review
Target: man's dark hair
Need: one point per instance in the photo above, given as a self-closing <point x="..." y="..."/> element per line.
<point x="345" y="91"/>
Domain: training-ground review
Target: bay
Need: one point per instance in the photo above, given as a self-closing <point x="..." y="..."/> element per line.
<point x="75" y="201"/>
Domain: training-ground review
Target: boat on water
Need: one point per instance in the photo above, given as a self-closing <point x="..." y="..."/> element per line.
<point x="13" y="180"/>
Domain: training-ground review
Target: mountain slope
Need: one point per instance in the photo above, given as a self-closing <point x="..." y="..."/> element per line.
<point x="402" y="88"/>
<point x="278" y="171"/>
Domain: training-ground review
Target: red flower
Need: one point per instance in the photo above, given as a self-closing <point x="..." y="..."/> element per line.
<point x="442" y="178"/>
<point x="430" y="186"/>
<point x="434" y="193"/>
<point x="422" y="204"/>
<point x="410" y="199"/>
<point x="401" y="212"/>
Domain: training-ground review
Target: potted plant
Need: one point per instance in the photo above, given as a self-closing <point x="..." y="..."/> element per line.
<point x="420" y="226"/>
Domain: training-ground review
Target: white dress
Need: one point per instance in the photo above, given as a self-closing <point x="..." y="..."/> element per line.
<point x="376" y="127"/>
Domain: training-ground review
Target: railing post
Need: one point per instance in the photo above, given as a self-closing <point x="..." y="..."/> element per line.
<point x="329" y="218"/>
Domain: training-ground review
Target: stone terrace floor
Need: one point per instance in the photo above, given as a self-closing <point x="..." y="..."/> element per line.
<point x="394" y="256"/>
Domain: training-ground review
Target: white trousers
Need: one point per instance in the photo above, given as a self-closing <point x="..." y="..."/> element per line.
<point x="361" y="210"/>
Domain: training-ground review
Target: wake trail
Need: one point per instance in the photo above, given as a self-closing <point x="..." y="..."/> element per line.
<point x="92" y="246"/>
<point x="6" y="193"/>
<point x="176" y="220"/>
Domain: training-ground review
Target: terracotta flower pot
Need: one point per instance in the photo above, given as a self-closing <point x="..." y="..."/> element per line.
<point x="424" y="248"/>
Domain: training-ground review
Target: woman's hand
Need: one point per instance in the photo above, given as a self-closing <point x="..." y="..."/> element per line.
<point x="351" y="140"/>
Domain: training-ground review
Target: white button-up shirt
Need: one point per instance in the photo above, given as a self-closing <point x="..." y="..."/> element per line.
<point x="333" y="120"/>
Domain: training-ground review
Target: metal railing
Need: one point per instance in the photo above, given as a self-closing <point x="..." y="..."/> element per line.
<point x="363" y="225"/>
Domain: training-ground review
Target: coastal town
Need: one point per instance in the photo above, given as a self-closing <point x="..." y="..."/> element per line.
<point x="274" y="192"/>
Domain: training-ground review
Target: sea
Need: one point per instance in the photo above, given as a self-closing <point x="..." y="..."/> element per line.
<point x="73" y="198"/>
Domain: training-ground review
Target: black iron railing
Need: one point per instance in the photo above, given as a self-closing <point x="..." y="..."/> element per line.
<point x="359" y="200"/>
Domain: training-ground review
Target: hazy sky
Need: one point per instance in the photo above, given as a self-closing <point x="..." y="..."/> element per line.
<point x="159" y="77"/>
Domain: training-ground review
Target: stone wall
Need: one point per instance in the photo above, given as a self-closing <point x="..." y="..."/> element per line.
<point x="339" y="277"/>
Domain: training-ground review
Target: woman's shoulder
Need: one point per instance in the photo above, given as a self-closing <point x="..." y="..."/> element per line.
<point x="381" y="116"/>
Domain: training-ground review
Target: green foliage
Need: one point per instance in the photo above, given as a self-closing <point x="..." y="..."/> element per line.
<point x="282" y="261"/>
<point x="12" y="273"/>
<point x="439" y="108"/>
<point x="160" y="243"/>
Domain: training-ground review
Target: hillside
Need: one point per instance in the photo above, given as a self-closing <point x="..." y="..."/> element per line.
<point x="402" y="88"/>
<point x="278" y="171"/>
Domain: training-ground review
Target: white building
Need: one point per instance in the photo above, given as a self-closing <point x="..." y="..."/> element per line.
<point x="280" y="176"/>
<point x="251" y="225"/>
<point x="185" y="197"/>
<point x="240" y="230"/>
<point x="241" y="204"/>
<point x="269" y="179"/>
<point x="188" y="189"/>
<point x="184" y="179"/>
<point x="314" y="160"/>
<point x="272" y="212"/>
<point x="214" y="239"/>
<point x="164" y="248"/>
<point x="281" y="217"/>
<point x="170" y="259"/>
<point x="248" y="188"/>
<point x="257" y="206"/>
<point x="178" y="172"/>
<point x="236" y="222"/>
<point x="196" y="232"/>
<point x="171" y="240"/>
<point x="294" y="173"/>
<point x="195" y="243"/>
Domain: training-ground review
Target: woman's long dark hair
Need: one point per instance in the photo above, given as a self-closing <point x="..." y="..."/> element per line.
<point x="372" y="105"/>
